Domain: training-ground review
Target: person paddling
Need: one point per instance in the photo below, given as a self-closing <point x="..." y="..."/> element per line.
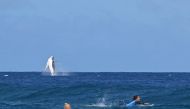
<point x="136" y="101"/>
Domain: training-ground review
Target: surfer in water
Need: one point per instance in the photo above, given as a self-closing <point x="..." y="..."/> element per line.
<point x="136" y="101"/>
<point x="67" y="106"/>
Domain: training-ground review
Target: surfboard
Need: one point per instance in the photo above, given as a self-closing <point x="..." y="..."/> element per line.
<point x="146" y="105"/>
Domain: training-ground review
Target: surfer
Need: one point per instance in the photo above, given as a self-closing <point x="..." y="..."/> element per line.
<point x="136" y="101"/>
<point x="67" y="106"/>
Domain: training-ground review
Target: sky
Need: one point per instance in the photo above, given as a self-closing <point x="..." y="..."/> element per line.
<point x="95" y="35"/>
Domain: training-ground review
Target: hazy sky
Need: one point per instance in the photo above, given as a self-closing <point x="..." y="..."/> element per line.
<point x="95" y="35"/>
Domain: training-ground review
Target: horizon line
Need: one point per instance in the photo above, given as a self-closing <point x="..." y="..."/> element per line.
<point x="106" y="71"/>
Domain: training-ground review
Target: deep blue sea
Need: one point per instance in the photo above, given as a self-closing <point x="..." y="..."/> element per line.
<point x="32" y="90"/>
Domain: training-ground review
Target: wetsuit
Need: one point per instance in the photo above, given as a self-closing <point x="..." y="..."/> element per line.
<point x="139" y="102"/>
<point x="134" y="103"/>
<point x="131" y="104"/>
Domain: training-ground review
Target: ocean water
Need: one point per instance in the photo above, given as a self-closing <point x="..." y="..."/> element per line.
<point x="102" y="90"/>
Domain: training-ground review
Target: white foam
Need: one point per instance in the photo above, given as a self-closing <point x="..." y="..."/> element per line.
<point x="98" y="105"/>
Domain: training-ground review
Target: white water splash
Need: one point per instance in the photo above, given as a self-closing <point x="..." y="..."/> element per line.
<point x="100" y="103"/>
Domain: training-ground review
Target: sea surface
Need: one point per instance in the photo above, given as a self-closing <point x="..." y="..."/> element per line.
<point x="93" y="90"/>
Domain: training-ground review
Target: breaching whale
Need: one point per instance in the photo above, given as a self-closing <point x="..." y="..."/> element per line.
<point x="50" y="66"/>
